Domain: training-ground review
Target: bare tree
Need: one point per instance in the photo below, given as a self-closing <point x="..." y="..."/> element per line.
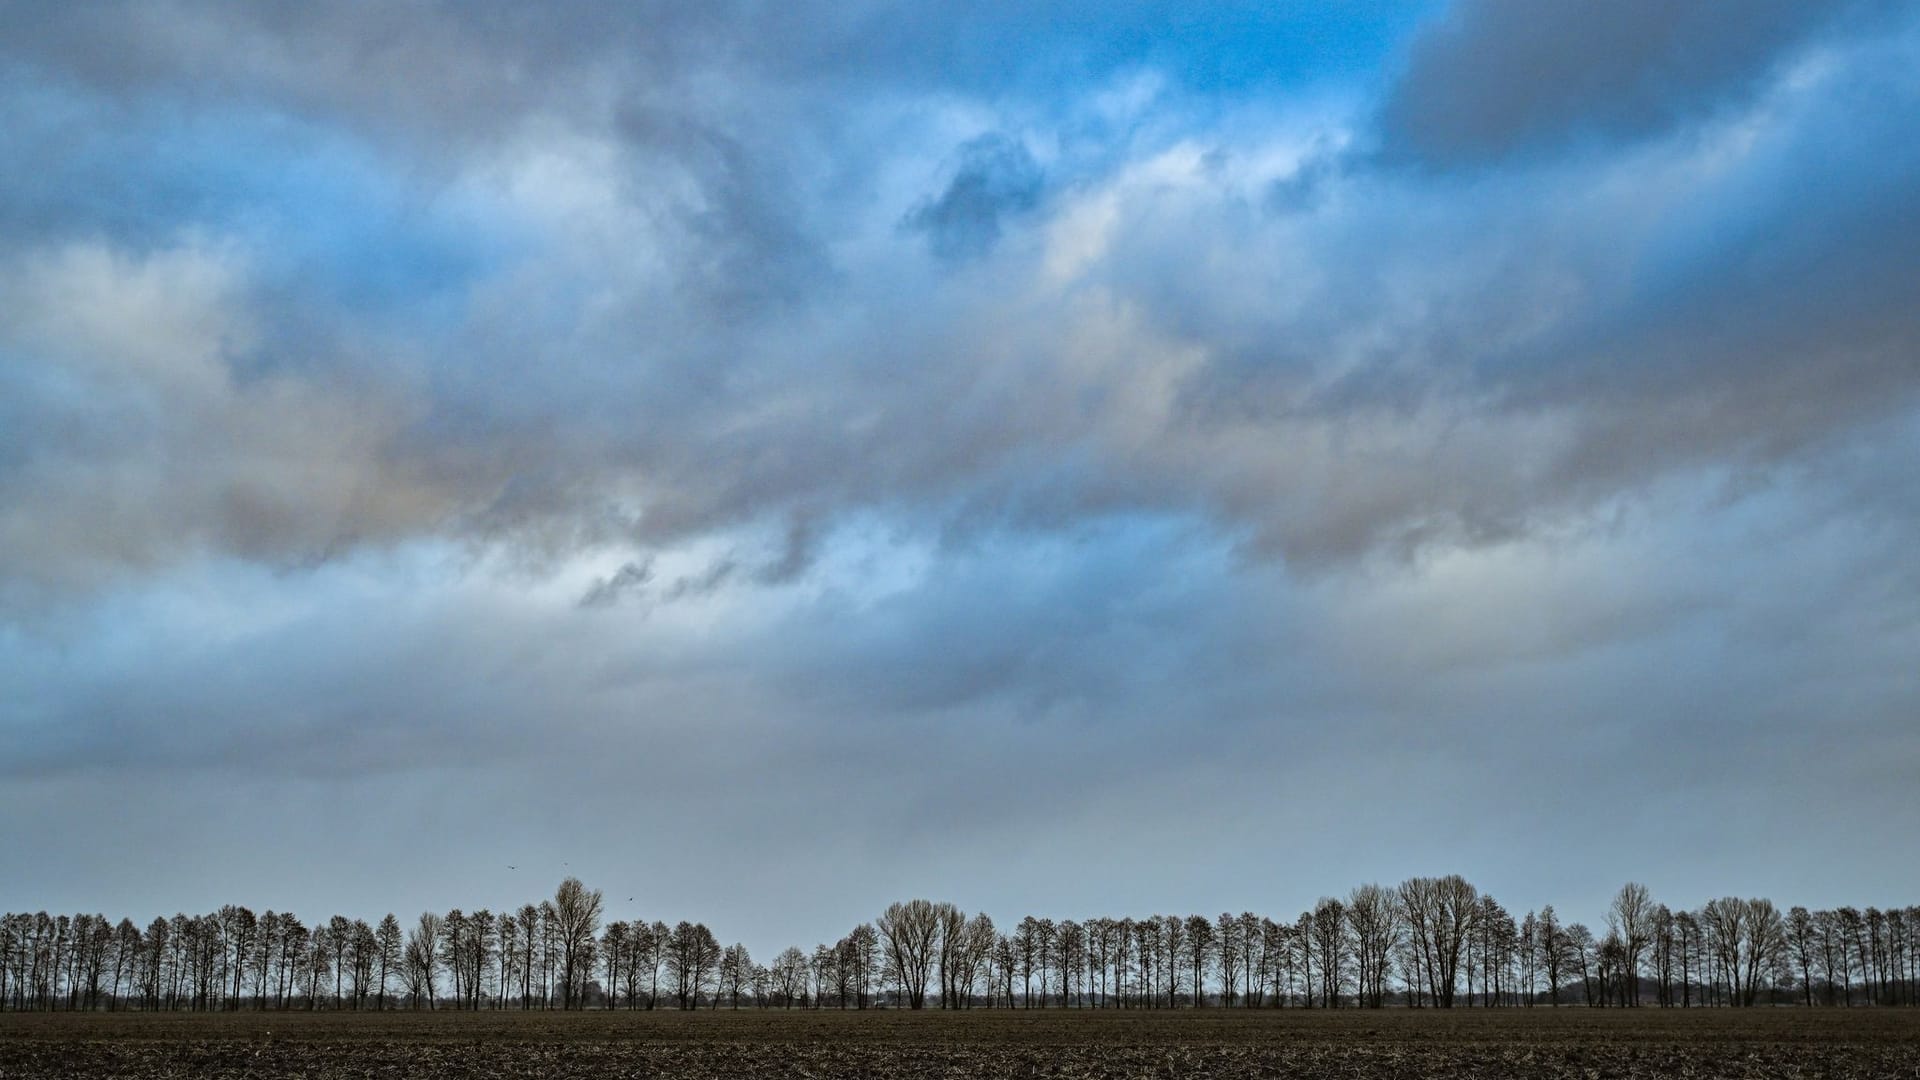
<point x="423" y="948"/>
<point x="1199" y="953"/>
<point x="577" y="918"/>
<point x="863" y="946"/>
<point x="1439" y="914"/>
<point x="1748" y="938"/>
<point x="693" y="954"/>
<point x="528" y="921"/>
<point x="978" y="952"/>
<point x="1631" y="918"/>
<point x="613" y="953"/>
<point x="387" y="947"/>
<point x="1330" y="938"/>
<point x="908" y="931"/>
<point x="789" y="973"/>
<point x="1373" y="913"/>
<point x="951" y="932"/>
<point x="1687" y="938"/>
<point x="735" y="972"/>
<point x="1070" y="947"/>
<point x="1802" y="943"/>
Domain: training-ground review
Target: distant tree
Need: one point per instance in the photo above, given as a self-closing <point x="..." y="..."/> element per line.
<point x="1330" y="940"/>
<point x="506" y="933"/>
<point x="1687" y="938"/>
<point x="1802" y="944"/>
<point x="126" y="959"/>
<point x="339" y="938"/>
<point x="1373" y="913"/>
<point x="1070" y="949"/>
<point x="1153" y="949"/>
<point x="762" y="985"/>
<point x="577" y="919"/>
<point x="239" y="930"/>
<point x="453" y="939"/>
<point x="423" y="957"/>
<point x="976" y="955"/>
<point x="1045" y="939"/>
<point x="1553" y="953"/>
<point x="1497" y="938"/>
<point x="908" y="931"/>
<point x="1665" y="950"/>
<point x="1439" y="914"/>
<point x="1026" y="946"/>
<point x="1200" y="939"/>
<point x="789" y="977"/>
<point x="1762" y="948"/>
<point x="950" y="932"/>
<point x="693" y="954"/>
<point x="1228" y="950"/>
<point x="295" y="941"/>
<point x="479" y="951"/>
<point x="363" y="950"/>
<point x="1725" y="920"/>
<point x="863" y="944"/>
<point x="1303" y="946"/>
<point x="613" y="953"/>
<point x="1609" y="967"/>
<point x="658" y="937"/>
<point x="1276" y="946"/>
<point x="1253" y="962"/>
<point x="387" y="942"/>
<point x="319" y="959"/>
<point x="736" y="973"/>
<point x="1580" y="947"/>
<point x="549" y="951"/>
<point x="528" y="921"/>
<point x="1631" y="917"/>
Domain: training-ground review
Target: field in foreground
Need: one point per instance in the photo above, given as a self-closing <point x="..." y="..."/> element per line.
<point x="1210" y="1043"/>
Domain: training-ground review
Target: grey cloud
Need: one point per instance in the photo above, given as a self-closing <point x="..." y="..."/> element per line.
<point x="1499" y="78"/>
<point x="1306" y="188"/>
<point x="1040" y="684"/>
<point x="797" y="551"/>
<point x="704" y="583"/>
<point x="746" y="244"/>
<point x="1397" y="363"/>
<point x="144" y="447"/>
<point x="997" y="178"/>
<point x="472" y="70"/>
<point x="607" y="591"/>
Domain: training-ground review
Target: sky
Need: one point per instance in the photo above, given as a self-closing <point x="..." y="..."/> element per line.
<point x="769" y="460"/>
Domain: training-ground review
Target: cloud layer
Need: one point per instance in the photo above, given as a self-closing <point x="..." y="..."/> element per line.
<point x="922" y="425"/>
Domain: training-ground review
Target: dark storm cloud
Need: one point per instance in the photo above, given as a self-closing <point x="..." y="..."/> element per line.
<point x="1499" y="78"/>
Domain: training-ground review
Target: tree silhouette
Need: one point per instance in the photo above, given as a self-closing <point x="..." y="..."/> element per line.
<point x="1425" y="943"/>
<point x="908" y="931"/>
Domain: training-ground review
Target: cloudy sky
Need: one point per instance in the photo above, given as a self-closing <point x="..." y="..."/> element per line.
<point x="1071" y="458"/>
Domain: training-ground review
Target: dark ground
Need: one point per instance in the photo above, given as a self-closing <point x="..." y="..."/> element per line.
<point x="1051" y="1043"/>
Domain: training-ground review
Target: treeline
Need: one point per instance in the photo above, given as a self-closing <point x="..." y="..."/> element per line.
<point x="1430" y="942"/>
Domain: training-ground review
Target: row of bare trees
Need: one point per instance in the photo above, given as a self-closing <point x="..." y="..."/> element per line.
<point x="1428" y="942"/>
<point x="232" y="959"/>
